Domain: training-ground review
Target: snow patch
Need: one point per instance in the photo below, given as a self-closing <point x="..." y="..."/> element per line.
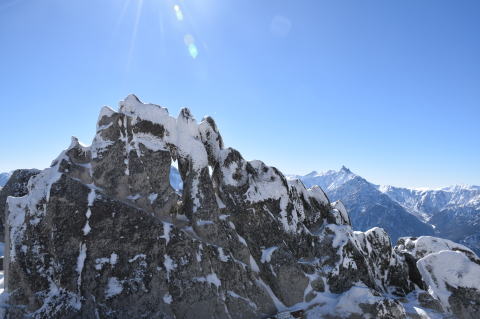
<point x="152" y="197"/>
<point x="81" y="262"/>
<point x="114" y="287"/>
<point x="210" y="278"/>
<point x="267" y="254"/>
<point x="254" y="265"/>
<point x="169" y="265"/>
<point x="167" y="227"/>
<point x="167" y="298"/>
<point x="222" y="255"/>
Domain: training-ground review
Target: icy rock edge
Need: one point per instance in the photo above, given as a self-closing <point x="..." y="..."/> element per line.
<point x="102" y="234"/>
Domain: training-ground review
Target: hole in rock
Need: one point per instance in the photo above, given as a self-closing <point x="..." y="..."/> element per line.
<point x="175" y="178"/>
<point x="210" y="171"/>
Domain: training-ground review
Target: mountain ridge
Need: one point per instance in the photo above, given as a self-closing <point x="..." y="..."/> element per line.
<point x="439" y="208"/>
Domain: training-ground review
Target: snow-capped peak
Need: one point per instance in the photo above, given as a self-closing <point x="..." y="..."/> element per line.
<point x="326" y="180"/>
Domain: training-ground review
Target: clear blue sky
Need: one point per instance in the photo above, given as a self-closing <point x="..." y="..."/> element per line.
<point x="391" y="89"/>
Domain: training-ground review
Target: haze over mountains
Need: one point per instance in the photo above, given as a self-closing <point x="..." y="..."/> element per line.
<point x="451" y="212"/>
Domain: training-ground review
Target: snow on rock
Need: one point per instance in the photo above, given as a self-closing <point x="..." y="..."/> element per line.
<point x="38" y="191"/>
<point x="425" y="245"/>
<point x="267" y="254"/>
<point x="167" y="298"/>
<point x="152" y="197"/>
<point x="169" y="264"/>
<point x="86" y="229"/>
<point x="340" y="213"/>
<point x="210" y="279"/>
<point x="139" y="256"/>
<point x="277" y="302"/>
<point x="81" y="262"/>
<point x="113" y="258"/>
<point x="235" y="295"/>
<point x="114" y="287"/>
<point x="447" y="270"/>
<point x="350" y="301"/>
<point x="221" y="255"/>
<point x="254" y="265"/>
<point x="167" y="227"/>
<point x="183" y="131"/>
<point x="316" y="192"/>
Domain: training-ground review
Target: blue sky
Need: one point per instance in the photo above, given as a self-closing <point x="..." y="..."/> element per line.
<point x="390" y="89"/>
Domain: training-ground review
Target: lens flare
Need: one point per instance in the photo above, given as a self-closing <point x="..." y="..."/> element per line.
<point x="178" y="12"/>
<point x="192" y="49"/>
<point x="189" y="41"/>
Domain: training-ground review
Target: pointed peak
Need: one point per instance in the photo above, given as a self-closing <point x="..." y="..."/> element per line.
<point x="312" y="173"/>
<point x="185" y="113"/>
<point x="345" y="169"/>
<point x="75" y="143"/>
<point x="129" y="103"/>
<point x="132" y="98"/>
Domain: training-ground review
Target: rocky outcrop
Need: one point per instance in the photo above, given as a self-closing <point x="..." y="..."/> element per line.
<point x="102" y="234"/>
<point x="449" y="271"/>
<point x="16" y="186"/>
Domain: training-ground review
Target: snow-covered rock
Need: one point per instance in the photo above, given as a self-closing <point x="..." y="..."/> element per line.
<point x="103" y="234"/>
<point x="450" y="272"/>
<point x="425" y="245"/>
<point x="16" y="186"/>
<point x="454" y="280"/>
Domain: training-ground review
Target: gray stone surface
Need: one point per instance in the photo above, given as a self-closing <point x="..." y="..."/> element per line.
<point x="16" y="186"/>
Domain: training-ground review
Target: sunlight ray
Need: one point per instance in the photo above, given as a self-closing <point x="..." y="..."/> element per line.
<point x="126" y="4"/>
<point x="134" y="33"/>
<point x="162" y="28"/>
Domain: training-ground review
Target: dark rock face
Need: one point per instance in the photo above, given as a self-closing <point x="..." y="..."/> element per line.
<point x="15" y="186"/>
<point x="102" y="234"/>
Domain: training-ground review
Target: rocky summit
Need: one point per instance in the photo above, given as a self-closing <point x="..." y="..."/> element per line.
<point x="102" y="234"/>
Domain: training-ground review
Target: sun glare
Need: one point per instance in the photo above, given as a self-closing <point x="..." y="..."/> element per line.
<point x="174" y="7"/>
<point x="178" y="12"/>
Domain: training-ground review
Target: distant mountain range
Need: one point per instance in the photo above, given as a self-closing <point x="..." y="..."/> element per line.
<point x="451" y="212"/>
